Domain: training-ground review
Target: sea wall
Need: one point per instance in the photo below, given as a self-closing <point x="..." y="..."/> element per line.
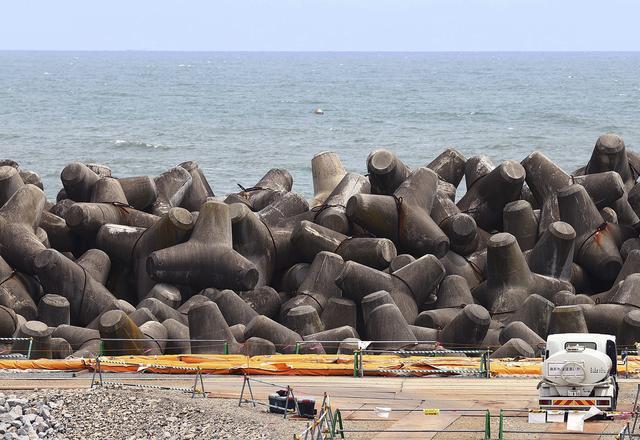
<point x="149" y="262"/>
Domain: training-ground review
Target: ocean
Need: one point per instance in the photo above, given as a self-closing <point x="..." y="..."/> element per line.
<point x="240" y="114"/>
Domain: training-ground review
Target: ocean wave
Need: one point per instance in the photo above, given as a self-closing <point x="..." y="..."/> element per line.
<point x="451" y="114"/>
<point x="115" y="94"/>
<point x="558" y="118"/>
<point x="9" y="136"/>
<point x="120" y="143"/>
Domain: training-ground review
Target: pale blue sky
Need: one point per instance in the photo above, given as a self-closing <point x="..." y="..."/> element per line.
<point x="321" y="25"/>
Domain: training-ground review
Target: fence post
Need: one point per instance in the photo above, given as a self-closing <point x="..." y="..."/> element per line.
<point x="328" y="410"/>
<point x="487" y="425"/>
<point x="635" y="410"/>
<point x="487" y="364"/>
<point x="93" y="376"/>
<point x="500" y="427"/>
<point x="246" y="383"/>
<point x="226" y="347"/>
<point x="297" y="347"/>
<point x="628" y="431"/>
<point x="96" y="371"/>
<point x="625" y="359"/>
<point x="195" y="385"/>
<point x="337" y="420"/>
<point x="286" y="401"/>
<point x="202" y="383"/>
<point x="29" y="349"/>
<point x="101" y="348"/>
<point x="355" y="363"/>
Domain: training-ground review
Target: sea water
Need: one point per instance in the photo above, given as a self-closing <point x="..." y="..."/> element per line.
<point x="239" y="114"/>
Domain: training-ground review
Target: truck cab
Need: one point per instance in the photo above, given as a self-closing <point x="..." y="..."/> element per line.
<point x="579" y="371"/>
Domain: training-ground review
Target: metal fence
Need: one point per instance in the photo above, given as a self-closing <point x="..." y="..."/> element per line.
<point x="213" y="343"/>
<point x="483" y="370"/>
<point x="97" y="380"/>
<point x="10" y="355"/>
<point x="330" y="424"/>
<point x="246" y="384"/>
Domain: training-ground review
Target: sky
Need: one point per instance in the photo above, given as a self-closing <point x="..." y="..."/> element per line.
<point x="321" y="25"/>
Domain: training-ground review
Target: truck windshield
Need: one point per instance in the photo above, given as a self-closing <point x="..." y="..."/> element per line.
<point x="591" y="345"/>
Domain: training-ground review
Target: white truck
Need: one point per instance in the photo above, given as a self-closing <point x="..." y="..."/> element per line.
<point x="579" y="371"/>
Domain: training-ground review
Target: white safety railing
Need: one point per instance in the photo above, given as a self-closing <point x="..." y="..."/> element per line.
<point x="97" y="374"/>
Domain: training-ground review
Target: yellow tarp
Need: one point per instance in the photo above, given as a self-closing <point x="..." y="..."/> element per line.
<point x="303" y="364"/>
<point x="44" y="364"/>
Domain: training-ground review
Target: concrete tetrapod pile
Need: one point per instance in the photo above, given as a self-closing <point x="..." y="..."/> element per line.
<point x="153" y="262"/>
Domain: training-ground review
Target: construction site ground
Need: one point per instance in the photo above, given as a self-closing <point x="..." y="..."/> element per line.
<point x="353" y="395"/>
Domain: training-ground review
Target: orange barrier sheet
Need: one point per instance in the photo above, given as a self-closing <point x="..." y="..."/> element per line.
<point x="301" y="364"/>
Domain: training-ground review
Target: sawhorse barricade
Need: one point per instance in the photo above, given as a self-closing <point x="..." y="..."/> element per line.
<point x="246" y="384"/>
<point x="97" y="372"/>
<point x="327" y="425"/>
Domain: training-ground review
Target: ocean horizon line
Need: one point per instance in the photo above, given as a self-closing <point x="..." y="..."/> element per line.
<point x="317" y="51"/>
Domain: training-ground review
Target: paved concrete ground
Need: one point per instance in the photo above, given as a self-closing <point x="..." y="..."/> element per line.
<point x="357" y="396"/>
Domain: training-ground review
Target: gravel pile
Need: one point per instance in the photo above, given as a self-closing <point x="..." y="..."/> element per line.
<point x="28" y="417"/>
<point x="125" y="413"/>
